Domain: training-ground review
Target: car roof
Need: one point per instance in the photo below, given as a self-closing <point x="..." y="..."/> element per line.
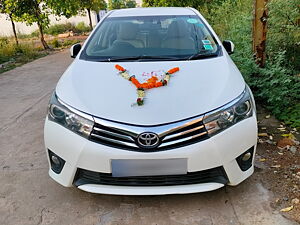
<point x="158" y="11"/>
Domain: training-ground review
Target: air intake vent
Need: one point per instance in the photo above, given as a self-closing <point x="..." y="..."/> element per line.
<point x="215" y="175"/>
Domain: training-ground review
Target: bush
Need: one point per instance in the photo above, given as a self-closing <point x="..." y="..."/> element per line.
<point x="284" y="31"/>
<point x="3" y="41"/>
<point x="55" y="43"/>
<point x="277" y="86"/>
<point x="238" y="29"/>
<point x="63" y="28"/>
<point x="68" y="43"/>
<point x="7" y="52"/>
<point x="59" y="28"/>
<point x="81" y="28"/>
<point x="33" y="34"/>
<point x="63" y="43"/>
<point x="279" y="89"/>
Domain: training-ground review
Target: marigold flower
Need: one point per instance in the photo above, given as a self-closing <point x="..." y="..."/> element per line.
<point x="150" y="83"/>
<point x="158" y="84"/>
<point x="120" y="68"/>
<point x="135" y="82"/>
<point x="174" y="70"/>
<point x="152" y="79"/>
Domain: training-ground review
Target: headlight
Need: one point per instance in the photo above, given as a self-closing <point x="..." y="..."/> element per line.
<point x="239" y="109"/>
<point x="69" y="118"/>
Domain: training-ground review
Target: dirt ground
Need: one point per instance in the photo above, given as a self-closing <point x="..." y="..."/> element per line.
<point x="29" y="196"/>
<point x="278" y="163"/>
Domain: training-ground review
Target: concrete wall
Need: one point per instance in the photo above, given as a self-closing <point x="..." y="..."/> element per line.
<point x="6" y="30"/>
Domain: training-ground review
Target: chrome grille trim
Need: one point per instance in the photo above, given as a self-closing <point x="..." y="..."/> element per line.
<point x="172" y="135"/>
<point x="182" y="133"/>
<point x="182" y="140"/>
<point x="121" y="136"/>
<point x="181" y="125"/>
<point x="114" y="141"/>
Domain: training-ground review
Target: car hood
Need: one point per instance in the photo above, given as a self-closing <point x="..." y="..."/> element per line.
<point x="199" y="87"/>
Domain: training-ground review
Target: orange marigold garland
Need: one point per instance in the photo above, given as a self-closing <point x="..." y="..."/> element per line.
<point x="149" y="84"/>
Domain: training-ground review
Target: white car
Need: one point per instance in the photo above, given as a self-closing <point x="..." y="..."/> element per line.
<point x="151" y="105"/>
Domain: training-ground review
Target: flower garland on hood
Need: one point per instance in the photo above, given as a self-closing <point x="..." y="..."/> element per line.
<point x="149" y="84"/>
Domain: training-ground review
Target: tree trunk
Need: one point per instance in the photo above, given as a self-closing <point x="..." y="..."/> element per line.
<point x="260" y="31"/>
<point x="44" y="43"/>
<point x="41" y="29"/>
<point x="90" y="18"/>
<point x="14" y="29"/>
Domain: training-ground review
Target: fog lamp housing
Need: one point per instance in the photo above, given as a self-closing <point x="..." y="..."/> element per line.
<point x="57" y="163"/>
<point x="245" y="160"/>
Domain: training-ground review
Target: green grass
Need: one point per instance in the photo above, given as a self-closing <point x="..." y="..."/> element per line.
<point x="56" y="29"/>
<point x="12" y="55"/>
<point x="9" y="51"/>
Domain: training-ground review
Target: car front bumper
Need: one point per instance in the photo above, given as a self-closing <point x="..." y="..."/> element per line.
<point x="220" y="150"/>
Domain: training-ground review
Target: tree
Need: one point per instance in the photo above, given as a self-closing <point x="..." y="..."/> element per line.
<point x="92" y="5"/>
<point x="65" y="8"/>
<point x="284" y="31"/>
<point x="179" y="3"/>
<point x="130" y="4"/>
<point x="70" y="8"/>
<point x="30" y="12"/>
<point x="121" y="4"/>
<point x="259" y="33"/>
<point x="166" y="3"/>
<point x="116" y="4"/>
<point x="9" y="11"/>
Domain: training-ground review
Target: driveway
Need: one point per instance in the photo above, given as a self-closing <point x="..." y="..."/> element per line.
<point x="29" y="196"/>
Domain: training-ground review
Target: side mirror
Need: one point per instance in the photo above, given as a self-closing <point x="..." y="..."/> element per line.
<point x="229" y="46"/>
<point x="74" y="50"/>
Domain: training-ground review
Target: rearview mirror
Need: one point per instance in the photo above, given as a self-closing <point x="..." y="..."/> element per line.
<point x="229" y="46"/>
<point x="74" y="50"/>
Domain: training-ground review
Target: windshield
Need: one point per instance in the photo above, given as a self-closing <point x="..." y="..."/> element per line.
<point x="150" y="37"/>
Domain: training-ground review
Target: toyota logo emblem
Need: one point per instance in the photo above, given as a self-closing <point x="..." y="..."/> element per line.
<point x="148" y="140"/>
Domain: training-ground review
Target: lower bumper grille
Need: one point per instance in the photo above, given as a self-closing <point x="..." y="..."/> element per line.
<point x="215" y="175"/>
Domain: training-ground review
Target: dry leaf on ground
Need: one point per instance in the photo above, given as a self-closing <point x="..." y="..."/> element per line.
<point x="287" y="209"/>
<point x="285" y="142"/>
<point x="295" y="201"/>
<point x="263" y="135"/>
<point x="276" y="166"/>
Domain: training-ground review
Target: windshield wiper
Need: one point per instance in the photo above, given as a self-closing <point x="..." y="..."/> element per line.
<point x="203" y="56"/>
<point x="117" y="59"/>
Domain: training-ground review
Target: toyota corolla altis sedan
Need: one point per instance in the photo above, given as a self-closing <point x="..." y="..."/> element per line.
<point x="151" y="105"/>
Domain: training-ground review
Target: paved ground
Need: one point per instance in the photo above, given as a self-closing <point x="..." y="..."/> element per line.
<point x="29" y="196"/>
